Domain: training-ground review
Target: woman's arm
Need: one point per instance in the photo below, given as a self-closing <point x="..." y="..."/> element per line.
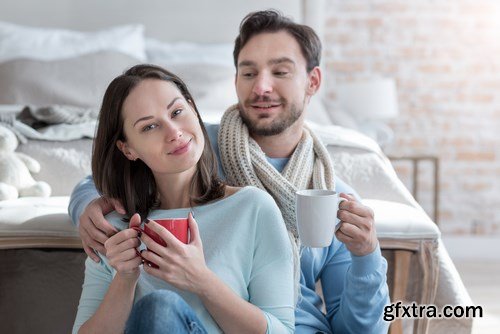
<point x="113" y="310"/>
<point x="230" y="311"/>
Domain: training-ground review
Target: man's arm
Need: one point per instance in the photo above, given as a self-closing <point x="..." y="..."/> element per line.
<point x="87" y="211"/>
<point x="355" y="292"/>
<point x="355" y="287"/>
<point x="84" y="193"/>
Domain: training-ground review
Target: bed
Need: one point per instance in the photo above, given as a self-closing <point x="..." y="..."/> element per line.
<point x="57" y="77"/>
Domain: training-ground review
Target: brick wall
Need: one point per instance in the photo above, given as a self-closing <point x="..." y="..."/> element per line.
<point x="445" y="57"/>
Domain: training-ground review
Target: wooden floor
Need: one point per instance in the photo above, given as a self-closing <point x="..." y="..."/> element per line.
<point x="482" y="280"/>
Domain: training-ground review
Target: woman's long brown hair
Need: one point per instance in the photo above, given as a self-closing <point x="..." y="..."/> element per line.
<point x="132" y="182"/>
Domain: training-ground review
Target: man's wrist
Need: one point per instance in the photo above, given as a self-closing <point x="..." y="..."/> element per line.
<point x="366" y="264"/>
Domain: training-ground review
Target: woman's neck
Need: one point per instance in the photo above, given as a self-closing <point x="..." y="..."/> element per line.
<point x="174" y="189"/>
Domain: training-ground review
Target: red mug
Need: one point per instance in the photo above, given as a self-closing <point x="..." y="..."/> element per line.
<point x="177" y="226"/>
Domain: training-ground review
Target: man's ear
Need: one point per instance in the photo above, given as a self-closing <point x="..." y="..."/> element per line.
<point x="314" y="81"/>
<point x="127" y="152"/>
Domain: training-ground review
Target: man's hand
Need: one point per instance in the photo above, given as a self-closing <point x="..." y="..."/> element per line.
<point x="94" y="229"/>
<point x="357" y="230"/>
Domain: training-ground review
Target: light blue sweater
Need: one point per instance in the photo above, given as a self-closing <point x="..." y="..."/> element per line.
<point x="354" y="288"/>
<point x="245" y="244"/>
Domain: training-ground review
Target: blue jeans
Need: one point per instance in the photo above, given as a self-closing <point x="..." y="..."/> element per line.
<point x="163" y="311"/>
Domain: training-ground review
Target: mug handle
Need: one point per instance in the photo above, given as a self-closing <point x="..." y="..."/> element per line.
<point x="337" y="226"/>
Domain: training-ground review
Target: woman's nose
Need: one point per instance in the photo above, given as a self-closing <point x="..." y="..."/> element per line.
<point x="172" y="132"/>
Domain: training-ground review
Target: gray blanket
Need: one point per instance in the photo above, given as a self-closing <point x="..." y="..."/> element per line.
<point x="53" y="123"/>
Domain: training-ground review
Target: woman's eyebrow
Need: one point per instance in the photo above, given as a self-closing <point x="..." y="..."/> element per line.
<point x="150" y="117"/>
<point x="143" y="119"/>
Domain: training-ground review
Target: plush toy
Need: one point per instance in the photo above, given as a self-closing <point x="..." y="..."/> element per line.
<point x="15" y="168"/>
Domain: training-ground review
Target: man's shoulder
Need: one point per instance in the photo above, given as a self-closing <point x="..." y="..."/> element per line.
<point x="342" y="187"/>
<point x="212" y="129"/>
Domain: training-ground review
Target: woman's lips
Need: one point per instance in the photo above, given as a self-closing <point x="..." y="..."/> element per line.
<point x="182" y="148"/>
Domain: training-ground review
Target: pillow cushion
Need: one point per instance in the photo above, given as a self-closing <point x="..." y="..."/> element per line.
<point x="316" y="111"/>
<point x="62" y="164"/>
<point x="400" y="221"/>
<point x="79" y="81"/>
<point x="159" y="52"/>
<point x="212" y="87"/>
<point x="53" y="44"/>
<point x="207" y="69"/>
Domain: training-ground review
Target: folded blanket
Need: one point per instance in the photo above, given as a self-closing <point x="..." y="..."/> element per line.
<point x="53" y="123"/>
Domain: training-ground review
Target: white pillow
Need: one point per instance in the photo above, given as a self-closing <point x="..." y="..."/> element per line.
<point x="343" y="118"/>
<point x="316" y="112"/>
<point x="54" y="44"/>
<point x="189" y="53"/>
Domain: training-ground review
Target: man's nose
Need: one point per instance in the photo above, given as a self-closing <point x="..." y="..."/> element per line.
<point x="263" y="84"/>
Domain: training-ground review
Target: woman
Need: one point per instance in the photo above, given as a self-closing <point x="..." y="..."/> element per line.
<point x="151" y="152"/>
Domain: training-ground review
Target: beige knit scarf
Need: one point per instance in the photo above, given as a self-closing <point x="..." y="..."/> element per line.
<point x="245" y="164"/>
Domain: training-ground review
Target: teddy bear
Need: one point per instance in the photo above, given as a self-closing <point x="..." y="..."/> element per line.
<point x="15" y="168"/>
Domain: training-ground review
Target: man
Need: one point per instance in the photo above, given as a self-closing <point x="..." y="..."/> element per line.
<point x="264" y="142"/>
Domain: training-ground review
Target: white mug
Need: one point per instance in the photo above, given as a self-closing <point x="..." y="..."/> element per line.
<point x="316" y="212"/>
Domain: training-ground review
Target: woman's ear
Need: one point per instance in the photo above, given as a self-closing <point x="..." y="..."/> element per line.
<point x="127" y="152"/>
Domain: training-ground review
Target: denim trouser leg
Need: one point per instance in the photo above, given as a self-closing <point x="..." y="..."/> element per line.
<point x="163" y="311"/>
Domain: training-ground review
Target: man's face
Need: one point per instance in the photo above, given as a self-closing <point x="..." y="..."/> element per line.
<point x="272" y="83"/>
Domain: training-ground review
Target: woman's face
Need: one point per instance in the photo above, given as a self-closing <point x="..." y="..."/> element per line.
<point x="161" y="128"/>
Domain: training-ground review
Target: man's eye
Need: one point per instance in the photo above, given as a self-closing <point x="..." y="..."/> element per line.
<point x="176" y="112"/>
<point x="248" y="75"/>
<point x="280" y="73"/>
<point x="149" y="127"/>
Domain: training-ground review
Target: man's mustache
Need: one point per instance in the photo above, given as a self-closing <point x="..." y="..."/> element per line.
<point x="265" y="98"/>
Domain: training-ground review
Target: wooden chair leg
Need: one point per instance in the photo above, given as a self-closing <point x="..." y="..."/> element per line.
<point x="400" y="283"/>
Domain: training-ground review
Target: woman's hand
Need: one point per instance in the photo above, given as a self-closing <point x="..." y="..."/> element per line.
<point x="181" y="265"/>
<point x="121" y="251"/>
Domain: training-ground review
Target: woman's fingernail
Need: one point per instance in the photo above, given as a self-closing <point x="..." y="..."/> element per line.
<point x="192" y="213"/>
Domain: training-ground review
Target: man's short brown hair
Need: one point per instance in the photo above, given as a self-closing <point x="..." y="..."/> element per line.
<point x="273" y="21"/>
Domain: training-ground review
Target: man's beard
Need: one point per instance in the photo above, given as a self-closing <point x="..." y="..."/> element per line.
<point x="277" y="126"/>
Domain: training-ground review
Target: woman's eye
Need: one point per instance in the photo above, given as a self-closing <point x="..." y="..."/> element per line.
<point x="281" y="73"/>
<point x="176" y="112"/>
<point x="248" y="75"/>
<point x="149" y="127"/>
